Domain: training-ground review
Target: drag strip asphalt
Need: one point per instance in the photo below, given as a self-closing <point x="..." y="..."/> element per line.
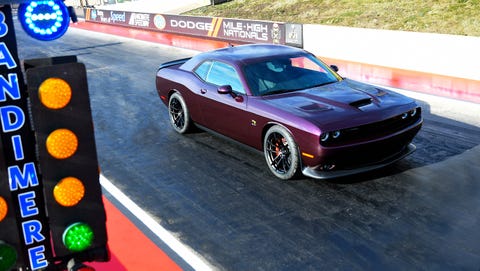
<point x="220" y="200"/>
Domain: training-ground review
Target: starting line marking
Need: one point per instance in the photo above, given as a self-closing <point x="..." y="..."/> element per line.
<point x="182" y="251"/>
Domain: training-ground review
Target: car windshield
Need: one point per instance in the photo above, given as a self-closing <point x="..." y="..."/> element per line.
<point x="287" y="73"/>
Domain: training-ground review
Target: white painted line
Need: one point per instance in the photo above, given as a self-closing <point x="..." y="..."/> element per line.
<point x="183" y="251"/>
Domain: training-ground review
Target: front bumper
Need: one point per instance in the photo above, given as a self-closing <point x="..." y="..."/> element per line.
<point x="321" y="174"/>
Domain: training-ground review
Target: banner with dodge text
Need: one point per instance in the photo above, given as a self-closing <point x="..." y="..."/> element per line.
<point x="235" y="30"/>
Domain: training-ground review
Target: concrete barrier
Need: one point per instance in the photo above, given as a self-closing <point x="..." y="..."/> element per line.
<point x="446" y="65"/>
<point x="450" y="55"/>
<point x="434" y="63"/>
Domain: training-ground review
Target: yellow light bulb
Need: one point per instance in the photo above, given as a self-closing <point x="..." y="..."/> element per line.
<point x="3" y="208"/>
<point x="54" y="93"/>
<point x="62" y="143"/>
<point x="69" y="191"/>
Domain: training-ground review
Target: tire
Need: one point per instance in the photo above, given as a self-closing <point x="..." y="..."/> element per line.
<point x="281" y="153"/>
<point x="178" y="113"/>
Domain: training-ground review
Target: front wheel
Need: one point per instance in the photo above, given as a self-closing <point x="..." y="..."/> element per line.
<point x="178" y="112"/>
<point x="281" y="153"/>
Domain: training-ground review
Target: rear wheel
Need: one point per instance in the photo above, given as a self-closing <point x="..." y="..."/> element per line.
<point x="281" y="153"/>
<point x="178" y="112"/>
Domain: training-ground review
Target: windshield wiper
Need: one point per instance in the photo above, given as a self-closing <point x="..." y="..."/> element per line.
<point x="278" y="91"/>
<point x="323" y="84"/>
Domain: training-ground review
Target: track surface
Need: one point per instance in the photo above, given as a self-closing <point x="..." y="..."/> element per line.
<point x="423" y="213"/>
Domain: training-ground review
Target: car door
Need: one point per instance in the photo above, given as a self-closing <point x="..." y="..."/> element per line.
<point x="224" y="113"/>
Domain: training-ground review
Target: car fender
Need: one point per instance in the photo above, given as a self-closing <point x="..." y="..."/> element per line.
<point x="307" y="143"/>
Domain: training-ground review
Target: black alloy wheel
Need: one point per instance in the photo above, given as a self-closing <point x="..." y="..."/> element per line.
<point x="281" y="153"/>
<point x="178" y="112"/>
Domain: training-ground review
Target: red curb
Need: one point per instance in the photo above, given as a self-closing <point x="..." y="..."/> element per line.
<point x="130" y="249"/>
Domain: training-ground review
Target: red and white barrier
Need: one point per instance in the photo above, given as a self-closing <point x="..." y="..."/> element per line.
<point x="446" y="65"/>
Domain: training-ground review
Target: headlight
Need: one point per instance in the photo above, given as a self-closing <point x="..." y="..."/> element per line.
<point x="413" y="112"/>
<point x="327" y="136"/>
<point x="324" y="136"/>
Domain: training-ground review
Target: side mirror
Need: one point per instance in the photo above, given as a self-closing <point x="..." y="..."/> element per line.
<point x="227" y="89"/>
<point x="334" y="68"/>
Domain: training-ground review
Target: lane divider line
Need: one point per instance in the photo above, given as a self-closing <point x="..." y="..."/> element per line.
<point x="173" y="243"/>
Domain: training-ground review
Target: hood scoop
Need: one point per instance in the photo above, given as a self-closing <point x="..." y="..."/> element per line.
<point x="313" y="107"/>
<point x="362" y="102"/>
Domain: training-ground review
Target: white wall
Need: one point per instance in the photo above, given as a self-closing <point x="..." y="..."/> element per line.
<point x="451" y="55"/>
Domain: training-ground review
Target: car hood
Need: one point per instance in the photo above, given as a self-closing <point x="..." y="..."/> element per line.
<point x="334" y="103"/>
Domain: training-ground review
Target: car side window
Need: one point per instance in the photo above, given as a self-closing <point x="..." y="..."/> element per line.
<point x="223" y="74"/>
<point x="203" y="69"/>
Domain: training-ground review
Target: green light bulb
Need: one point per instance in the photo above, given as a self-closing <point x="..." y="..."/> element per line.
<point x="8" y="256"/>
<point x="78" y="237"/>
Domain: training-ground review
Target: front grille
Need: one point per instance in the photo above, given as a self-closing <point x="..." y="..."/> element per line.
<point x="374" y="130"/>
<point x="366" y="156"/>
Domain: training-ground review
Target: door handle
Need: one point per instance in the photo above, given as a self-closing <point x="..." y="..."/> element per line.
<point x="203" y="91"/>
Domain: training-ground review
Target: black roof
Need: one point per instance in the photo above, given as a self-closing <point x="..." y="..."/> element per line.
<point x="243" y="54"/>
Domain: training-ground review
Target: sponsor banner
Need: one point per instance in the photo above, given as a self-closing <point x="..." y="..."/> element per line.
<point x="222" y="28"/>
<point x="114" y="17"/>
<point x="235" y="30"/>
<point x="294" y="35"/>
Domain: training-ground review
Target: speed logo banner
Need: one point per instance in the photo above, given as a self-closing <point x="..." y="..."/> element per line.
<point x="235" y="30"/>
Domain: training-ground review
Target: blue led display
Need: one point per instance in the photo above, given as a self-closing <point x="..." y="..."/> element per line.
<point x="44" y="20"/>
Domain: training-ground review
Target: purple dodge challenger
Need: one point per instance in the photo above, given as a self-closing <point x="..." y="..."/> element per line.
<point x="290" y="105"/>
